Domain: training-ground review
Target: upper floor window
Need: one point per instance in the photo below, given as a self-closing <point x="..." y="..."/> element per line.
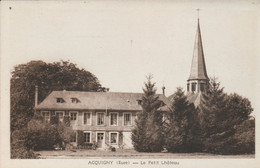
<point x="74" y="100"/>
<point x="60" y="115"/>
<point x="127" y="119"/>
<point x="113" y="118"/>
<point x="188" y="87"/>
<point x="60" y="100"/>
<point x="87" y="118"/>
<point x="87" y="137"/>
<point x="100" y="118"/>
<point x="73" y="116"/>
<point x="46" y="115"/>
<point x="193" y="87"/>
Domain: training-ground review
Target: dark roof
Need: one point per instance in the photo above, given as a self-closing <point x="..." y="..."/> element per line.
<point x="96" y="101"/>
<point x="198" y="66"/>
<point x="194" y="98"/>
<point x="191" y="97"/>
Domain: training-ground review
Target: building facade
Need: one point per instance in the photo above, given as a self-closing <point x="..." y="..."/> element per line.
<point x="107" y="118"/>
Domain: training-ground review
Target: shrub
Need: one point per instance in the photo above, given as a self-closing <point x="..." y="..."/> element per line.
<point x="44" y="136"/>
<point x="66" y="120"/>
<point x="54" y="119"/>
<point x="18" y="150"/>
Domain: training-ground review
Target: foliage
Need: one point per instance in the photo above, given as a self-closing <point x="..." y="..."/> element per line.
<point x="54" y="119"/>
<point x="80" y="137"/>
<point x="41" y="135"/>
<point x="66" y="120"/>
<point x="183" y="125"/>
<point x="18" y="150"/>
<point x="48" y="76"/>
<point x="221" y="114"/>
<point x="244" y="137"/>
<point x="147" y="134"/>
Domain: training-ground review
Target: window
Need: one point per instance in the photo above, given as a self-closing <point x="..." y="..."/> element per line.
<point x="113" y="118"/>
<point x="193" y="87"/>
<point x="73" y="116"/>
<point x="100" y="118"/>
<point x="127" y="119"/>
<point x="73" y="137"/>
<point x="87" y="137"/>
<point x="188" y="87"/>
<point x="202" y="87"/>
<point x="60" y="100"/>
<point x="87" y="118"/>
<point x="60" y="115"/>
<point x="74" y="100"/>
<point x="139" y="102"/>
<point x="113" y="137"/>
<point x="46" y="115"/>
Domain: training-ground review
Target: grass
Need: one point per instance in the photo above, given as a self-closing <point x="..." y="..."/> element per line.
<point x="132" y="154"/>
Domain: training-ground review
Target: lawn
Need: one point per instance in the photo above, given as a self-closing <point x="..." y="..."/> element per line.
<point x="131" y="154"/>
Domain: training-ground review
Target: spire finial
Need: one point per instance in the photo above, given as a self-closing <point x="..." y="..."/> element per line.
<point x="198" y="12"/>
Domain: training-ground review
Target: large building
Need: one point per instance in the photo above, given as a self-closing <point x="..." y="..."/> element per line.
<point x="107" y="118"/>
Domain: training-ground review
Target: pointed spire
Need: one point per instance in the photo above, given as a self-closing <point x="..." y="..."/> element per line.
<point x="198" y="67"/>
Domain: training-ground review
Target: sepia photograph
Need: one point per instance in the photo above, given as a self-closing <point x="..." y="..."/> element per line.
<point x="129" y="83"/>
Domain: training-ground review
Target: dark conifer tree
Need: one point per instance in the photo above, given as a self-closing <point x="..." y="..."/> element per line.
<point x="147" y="134"/>
<point x="183" y="125"/>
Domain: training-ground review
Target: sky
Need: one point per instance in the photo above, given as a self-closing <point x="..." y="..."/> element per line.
<point x="121" y="42"/>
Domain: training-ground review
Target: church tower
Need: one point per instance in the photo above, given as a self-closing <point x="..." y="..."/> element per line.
<point x="198" y="80"/>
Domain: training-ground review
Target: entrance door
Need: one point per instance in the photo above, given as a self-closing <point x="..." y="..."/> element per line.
<point x="100" y="138"/>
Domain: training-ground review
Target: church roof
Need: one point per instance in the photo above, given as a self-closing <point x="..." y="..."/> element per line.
<point x="96" y="101"/>
<point x="198" y="66"/>
<point x="194" y="98"/>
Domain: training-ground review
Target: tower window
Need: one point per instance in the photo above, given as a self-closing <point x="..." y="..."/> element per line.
<point x="193" y="87"/>
<point x="188" y="87"/>
<point x="202" y="87"/>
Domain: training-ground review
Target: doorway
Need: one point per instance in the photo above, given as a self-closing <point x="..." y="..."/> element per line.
<point x="100" y="139"/>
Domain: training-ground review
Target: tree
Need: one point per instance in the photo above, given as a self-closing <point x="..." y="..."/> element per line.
<point x="244" y="138"/>
<point x="220" y="114"/>
<point x="147" y="134"/>
<point x="48" y="76"/>
<point x="183" y="126"/>
<point x="40" y="135"/>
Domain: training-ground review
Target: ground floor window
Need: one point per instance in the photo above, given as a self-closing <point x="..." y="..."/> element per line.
<point x="87" y="137"/>
<point x="60" y="114"/>
<point x="73" y="116"/>
<point x="113" y="137"/>
<point x="46" y="115"/>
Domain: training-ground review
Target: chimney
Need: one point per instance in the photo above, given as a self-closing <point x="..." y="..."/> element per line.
<point x="163" y="90"/>
<point x="36" y="96"/>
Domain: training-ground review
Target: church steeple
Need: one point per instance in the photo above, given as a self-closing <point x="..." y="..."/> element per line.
<point x="198" y="79"/>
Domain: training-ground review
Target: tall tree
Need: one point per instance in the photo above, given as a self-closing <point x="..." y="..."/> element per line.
<point x="183" y="125"/>
<point x="220" y="114"/>
<point x="147" y="134"/>
<point x="48" y="77"/>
